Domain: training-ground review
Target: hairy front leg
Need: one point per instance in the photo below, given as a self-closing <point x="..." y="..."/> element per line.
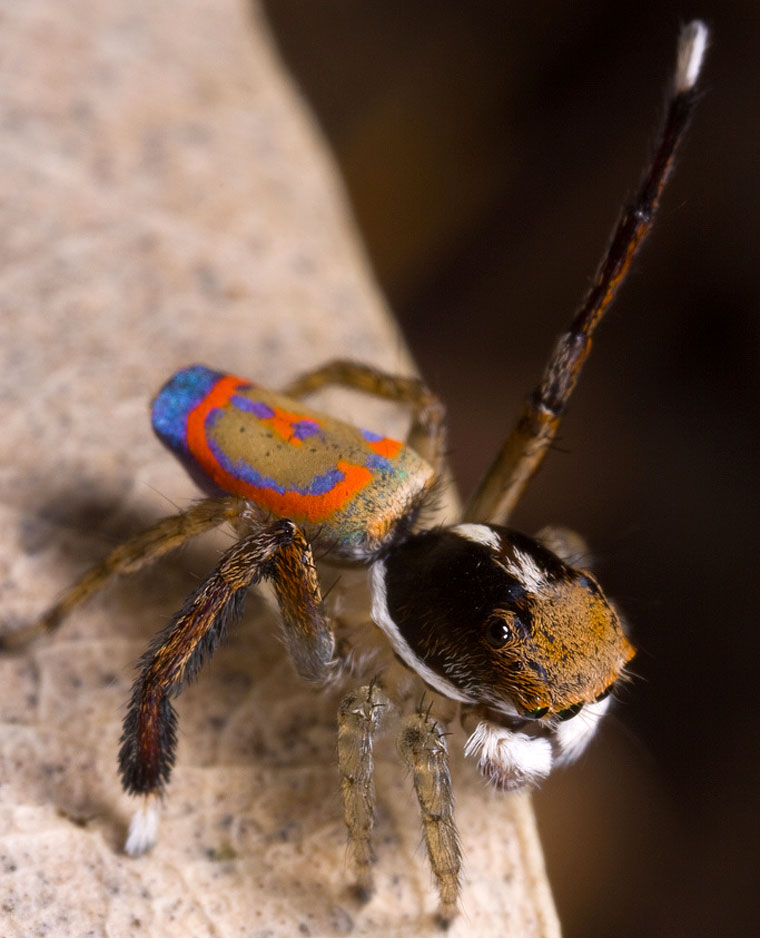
<point x="278" y="551"/>
<point x="422" y="746"/>
<point x="361" y="717"/>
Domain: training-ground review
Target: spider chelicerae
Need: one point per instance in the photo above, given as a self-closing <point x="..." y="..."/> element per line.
<point x="522" y="643"/>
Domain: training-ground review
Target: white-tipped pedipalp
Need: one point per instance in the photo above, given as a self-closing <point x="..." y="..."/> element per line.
<point x="509" y="759"/>
<point x="572" y="736"/>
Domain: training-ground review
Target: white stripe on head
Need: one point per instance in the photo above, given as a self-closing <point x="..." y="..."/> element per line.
<point x="478" y="534"/>
<point x="382" y="618"/>
<point x="527" y="572"/>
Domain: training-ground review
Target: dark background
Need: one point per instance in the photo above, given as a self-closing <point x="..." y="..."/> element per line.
<point x="487" y="148"/>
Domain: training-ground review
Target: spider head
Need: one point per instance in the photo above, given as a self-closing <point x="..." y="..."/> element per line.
<point x="491" y="617"/>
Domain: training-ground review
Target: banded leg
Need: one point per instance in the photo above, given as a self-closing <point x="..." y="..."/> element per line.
<point x="278" y="552"/>
<point x="427" y="436"/>
<point x="129" y="557"/>
<point x="361" y="716"/>
<point x="422" y="746"/>
<point x="526" y="446"/>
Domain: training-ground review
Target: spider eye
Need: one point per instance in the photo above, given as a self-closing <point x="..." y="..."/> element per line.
<point x="498" y="633"/>
<point x="604" y="694"/>
<point x="536" y="714"/>
<point x="515" y="592"/>
<point x="587" y="583"/>
<point x="569" y="712"/>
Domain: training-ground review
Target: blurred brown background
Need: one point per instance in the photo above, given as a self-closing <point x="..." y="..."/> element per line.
<point x="487" y="148"/>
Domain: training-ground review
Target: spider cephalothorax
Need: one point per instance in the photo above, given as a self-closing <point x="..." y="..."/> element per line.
<point x="522" y="643"/>
<point x="489" y="616"/>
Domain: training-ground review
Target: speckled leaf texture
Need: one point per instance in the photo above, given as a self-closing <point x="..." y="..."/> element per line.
<point x="167" y="199"/>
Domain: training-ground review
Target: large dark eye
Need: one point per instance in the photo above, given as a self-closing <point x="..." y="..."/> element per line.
<point x="498" y="633"/>
<point x="604" y="694"/>
<point x="536" y="714"/>
<point x="569" y="712"/>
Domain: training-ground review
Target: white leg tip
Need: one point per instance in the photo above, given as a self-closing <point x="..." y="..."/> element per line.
<point x="143" y="828"/>
<point x="692" y="44"/>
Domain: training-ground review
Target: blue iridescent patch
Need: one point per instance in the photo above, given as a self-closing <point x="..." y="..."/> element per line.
<point x="177" y="398"/>
<point x="319" y="485"/>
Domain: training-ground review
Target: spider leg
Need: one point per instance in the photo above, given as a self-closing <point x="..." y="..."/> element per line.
<point x="137" y="552"/>
<point x="361" y="716"/>
<point x="525" y="448"/>
<point x="567" y="544"/>
<point x="422" y="746"/>
<point x="427" y="435"/>
<point x="279" y="552"/>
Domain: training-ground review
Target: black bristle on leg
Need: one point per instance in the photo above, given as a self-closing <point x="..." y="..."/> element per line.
<point x="140" y="775"/>
<point x="278" y="551"/>
<point x="149" y="737"/>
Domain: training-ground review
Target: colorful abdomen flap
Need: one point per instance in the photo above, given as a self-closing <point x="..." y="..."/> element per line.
<point x="237" y="438"/>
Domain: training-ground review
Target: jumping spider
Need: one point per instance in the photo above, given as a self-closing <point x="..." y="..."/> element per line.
<point x="526" y="646"/>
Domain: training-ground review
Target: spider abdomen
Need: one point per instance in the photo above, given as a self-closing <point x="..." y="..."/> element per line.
<point x="237" y="438"/>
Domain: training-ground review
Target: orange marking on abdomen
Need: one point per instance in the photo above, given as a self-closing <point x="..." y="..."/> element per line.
<point x="217" y="397"/>
<point x="387" y="448"/>
<point x="283" y="423"/>
<point x="312" y="508"/>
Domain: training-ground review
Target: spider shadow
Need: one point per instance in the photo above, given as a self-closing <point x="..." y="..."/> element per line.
<point x="77" y="530"/>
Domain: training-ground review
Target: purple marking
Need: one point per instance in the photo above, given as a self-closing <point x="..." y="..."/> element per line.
<point x="305" y="428"/>
<point x="379" y="464"/>
<point x="259" y="408"/>
<point x="319" y="485"/>
<point x="371" y="437"/>
<point x="302" y="429"/>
